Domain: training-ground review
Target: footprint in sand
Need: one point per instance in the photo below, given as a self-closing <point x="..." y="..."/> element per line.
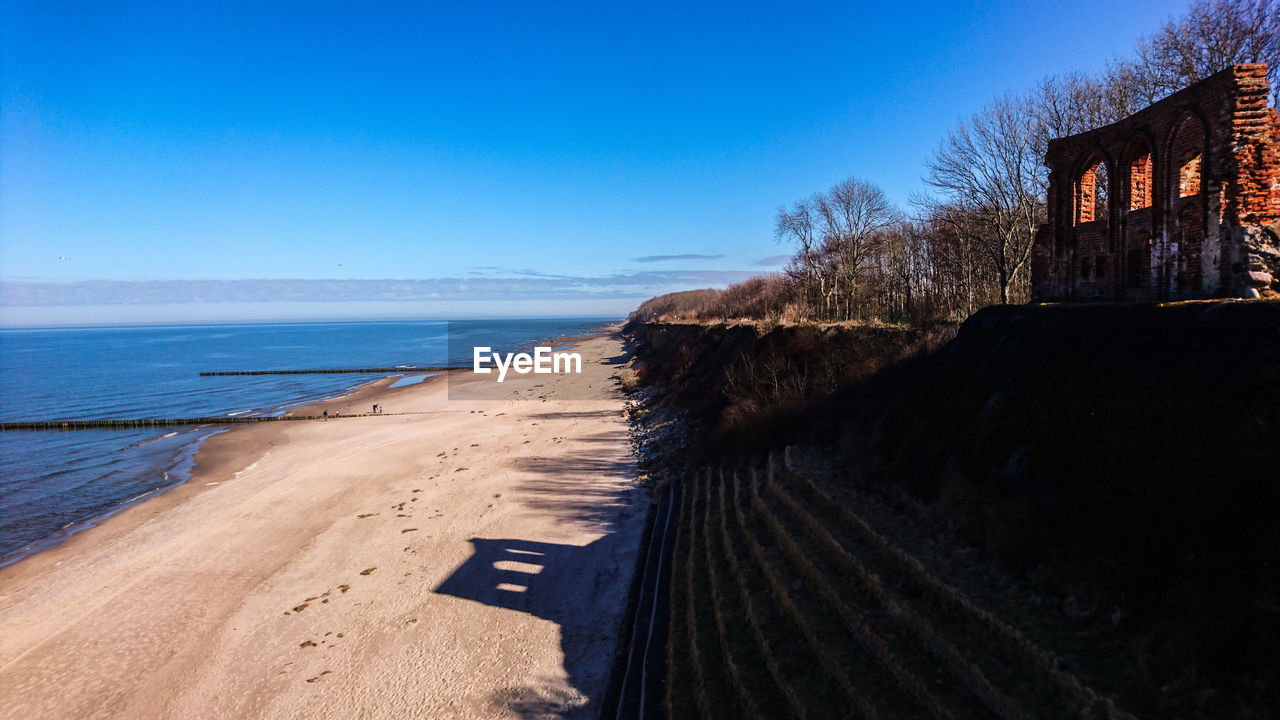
<point x="366" y="571"/>
<point x="326" y="672"/>
<point x="408" y="530"/>
<point x="365" y="515"/>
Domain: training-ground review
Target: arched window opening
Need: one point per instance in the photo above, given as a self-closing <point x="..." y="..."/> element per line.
<point x="1140" y="182"/>
<point x="1092" y="194"/>
<point x="1185" y="159"/>
<point x="1189" y="175"/>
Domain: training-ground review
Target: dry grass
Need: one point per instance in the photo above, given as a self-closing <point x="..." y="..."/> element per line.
<point x="799" y="627"/>
<point x="854" y="689"/>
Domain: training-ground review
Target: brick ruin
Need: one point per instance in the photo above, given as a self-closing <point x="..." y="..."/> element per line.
<point x="1179" y="200"/>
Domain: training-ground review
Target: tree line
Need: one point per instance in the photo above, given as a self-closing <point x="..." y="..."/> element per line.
<point x="967" y="242"/>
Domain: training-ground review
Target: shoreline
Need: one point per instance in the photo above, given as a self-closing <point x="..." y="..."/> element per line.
<point x="192" y="450"/>
<point x="187" y="454"/>
<point x="278" y="516"/>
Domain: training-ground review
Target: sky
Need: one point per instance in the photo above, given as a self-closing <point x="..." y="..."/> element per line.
<point x="168" y="162"/>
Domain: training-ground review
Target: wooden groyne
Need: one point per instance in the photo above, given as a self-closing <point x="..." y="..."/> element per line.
<point x="117" y="424"/>
<point x="336" y="371"/>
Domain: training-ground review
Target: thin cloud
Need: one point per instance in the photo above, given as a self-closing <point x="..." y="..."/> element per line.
<point x="773" y="261"/>
<point x="665" y="258"/>
<point x="523" y="286"/>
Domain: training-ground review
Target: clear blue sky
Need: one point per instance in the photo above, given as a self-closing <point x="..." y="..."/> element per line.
<point x="510" y="158"/>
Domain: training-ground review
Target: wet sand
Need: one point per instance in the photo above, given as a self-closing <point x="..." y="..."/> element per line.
<point x="470" y="559"/>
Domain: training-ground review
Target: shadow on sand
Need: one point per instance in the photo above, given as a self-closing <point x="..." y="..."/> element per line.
<point x="581" y="588"/>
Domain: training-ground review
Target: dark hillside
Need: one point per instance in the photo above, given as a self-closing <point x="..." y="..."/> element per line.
<point x="1135" y="448"/>
<point x="1124" y="459"/>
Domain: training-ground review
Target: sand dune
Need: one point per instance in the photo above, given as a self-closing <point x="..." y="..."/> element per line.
<point x="470" y="560"/>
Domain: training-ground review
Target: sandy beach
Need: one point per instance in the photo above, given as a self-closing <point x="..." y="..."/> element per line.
<point x="466" y="559"/>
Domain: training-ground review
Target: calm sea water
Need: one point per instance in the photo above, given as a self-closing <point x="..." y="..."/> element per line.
<point x="53" y="484"/>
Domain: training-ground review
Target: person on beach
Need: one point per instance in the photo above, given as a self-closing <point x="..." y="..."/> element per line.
<point x="326" y="414"/>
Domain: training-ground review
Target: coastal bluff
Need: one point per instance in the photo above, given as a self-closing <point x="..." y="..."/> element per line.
<point x="1046" y="511"/>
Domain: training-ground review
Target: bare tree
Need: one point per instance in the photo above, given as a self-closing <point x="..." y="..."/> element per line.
<point x="907" y="281"/>
<point x="988" y="172"/>
<point x="1068" y="104"/>
<point x="1213" y="35"/>
<point x="797" y="227"/>
<point x="852" y="215"/>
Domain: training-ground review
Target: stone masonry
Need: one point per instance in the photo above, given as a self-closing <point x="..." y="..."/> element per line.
<point x="1179" y="200"/>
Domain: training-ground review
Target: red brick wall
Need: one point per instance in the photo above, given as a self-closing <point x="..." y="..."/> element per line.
<point x="1253" y="196"/>
<point x="1190" y="168"/>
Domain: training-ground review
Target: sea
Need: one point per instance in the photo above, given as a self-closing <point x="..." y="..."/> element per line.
<point x="56" y="483"/>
